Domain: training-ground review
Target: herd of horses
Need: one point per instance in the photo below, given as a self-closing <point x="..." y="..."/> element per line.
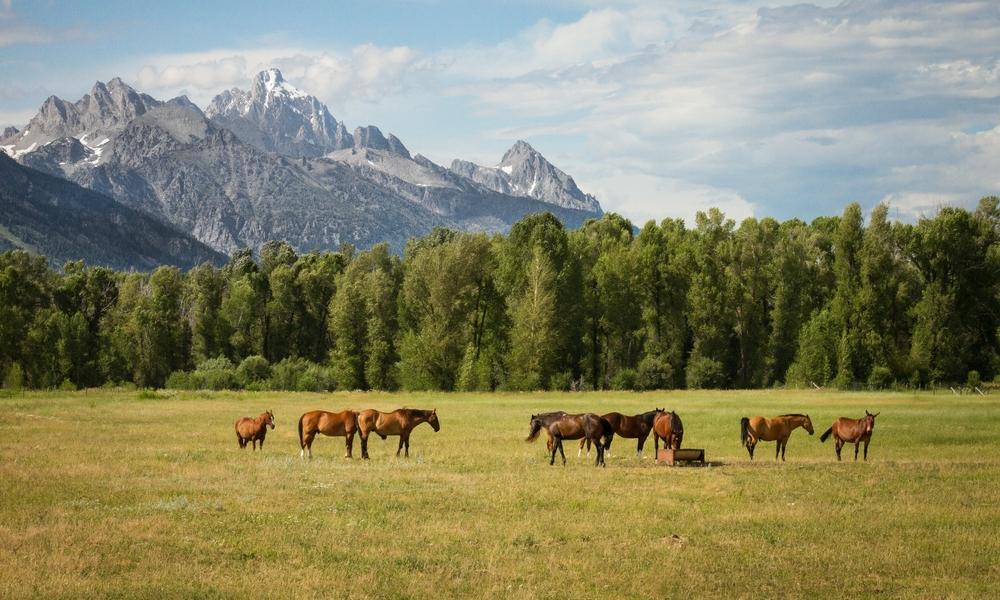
<point x="591" y="429"/>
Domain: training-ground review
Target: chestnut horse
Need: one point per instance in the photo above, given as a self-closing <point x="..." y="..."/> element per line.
<point x="763" y="429"/>
<point x="328" y="423"/>
<point x="636" y="426"/>
<point x="572" y="427"/>
<point x="667" y="426"/>
<point x="398" y="422"/>
<point x="253" y="430"/>
<point x="853" y="431"/>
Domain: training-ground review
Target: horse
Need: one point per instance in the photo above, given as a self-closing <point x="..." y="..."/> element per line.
<point x="667" y="426"/>
<point x="758" y="429"/>
<point x="253" y="430"/>
<point x="854" y="431"/>
<point x="328" y="423"/>
<point x="572" y="427"/>
<point x="398" y="422"/>
<point x="636" y="426"/>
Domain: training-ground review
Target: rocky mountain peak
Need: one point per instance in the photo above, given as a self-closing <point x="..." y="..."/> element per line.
<point x="523" y="171"/>
<point x="276" y="116"/>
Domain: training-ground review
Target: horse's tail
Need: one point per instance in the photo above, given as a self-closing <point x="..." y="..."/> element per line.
<point x="744" y="429"/>
<point x="607" y="430"/>
<point x="536" y="428"/>
<point x="302" y="443"/>
<point x="826" y="434"/>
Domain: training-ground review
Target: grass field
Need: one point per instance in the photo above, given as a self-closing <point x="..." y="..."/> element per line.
<point x="103" y="493"/>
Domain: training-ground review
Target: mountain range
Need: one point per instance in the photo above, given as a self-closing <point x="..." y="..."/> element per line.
<point x="272" y="162"/>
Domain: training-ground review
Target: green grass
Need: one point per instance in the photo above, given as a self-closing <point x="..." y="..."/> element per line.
<point x="106" y="493"/>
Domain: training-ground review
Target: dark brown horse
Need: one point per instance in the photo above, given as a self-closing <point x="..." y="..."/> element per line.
<point x="572" y="427"/>
<point x="253" y="430"/>
<point x="667" y="426"/>
<point x="852" y="431"/>
<point x="763" y="429"/>
<point x="328" y="423"/>
<point x="398" y="422"/>
<point x="636" y="426"/>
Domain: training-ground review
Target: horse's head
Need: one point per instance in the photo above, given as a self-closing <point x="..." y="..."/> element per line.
<point x="270" y="419"/>
<point x="433" y="420"/>
<point x="807" y="424"/>
<point x="870" y="422"/>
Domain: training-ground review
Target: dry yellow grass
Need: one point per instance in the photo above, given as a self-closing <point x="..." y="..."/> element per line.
<point x="106" y="494"/>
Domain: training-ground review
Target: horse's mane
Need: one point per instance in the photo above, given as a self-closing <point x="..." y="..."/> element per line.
<point x="675" y="421"/>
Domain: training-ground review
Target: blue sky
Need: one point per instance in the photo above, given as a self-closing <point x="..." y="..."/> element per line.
<point x="660" y="109"/>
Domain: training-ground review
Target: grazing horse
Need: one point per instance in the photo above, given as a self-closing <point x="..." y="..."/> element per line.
<point x="253" y="430"/>
<point x="853" y="431"/>
<point x="328" y="423"/>
<point x="636" y="426"/>
<point x="762" y="429"/>
<point x="398" y="422"/>
<point x="667" y="426"/>
<point x="572" y="427"/>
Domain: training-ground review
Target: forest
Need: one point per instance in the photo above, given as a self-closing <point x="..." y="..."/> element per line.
<point x="835" y="302"/>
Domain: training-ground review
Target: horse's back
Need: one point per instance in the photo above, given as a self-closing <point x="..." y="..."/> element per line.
<point x="848" y="429"/>
<point x="244" y="426"/>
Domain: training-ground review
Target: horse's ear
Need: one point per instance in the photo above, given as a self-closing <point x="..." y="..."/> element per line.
<point x="867" y="414"/>
<point x="877" y="414"/>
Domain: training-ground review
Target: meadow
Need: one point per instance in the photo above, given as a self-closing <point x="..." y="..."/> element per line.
<point x="114" y="493"/>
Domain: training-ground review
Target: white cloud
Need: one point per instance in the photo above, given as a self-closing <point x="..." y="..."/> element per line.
<point x="366" y="73"/>
<point x="642" y="197"/>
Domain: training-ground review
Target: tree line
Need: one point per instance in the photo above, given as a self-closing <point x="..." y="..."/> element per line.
<point x="832" y="302"/>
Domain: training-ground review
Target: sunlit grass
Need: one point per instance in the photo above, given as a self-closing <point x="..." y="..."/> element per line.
<point x="116" y="493"/>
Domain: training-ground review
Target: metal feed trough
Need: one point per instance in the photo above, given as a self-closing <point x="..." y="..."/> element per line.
<point x="682" y="455"/>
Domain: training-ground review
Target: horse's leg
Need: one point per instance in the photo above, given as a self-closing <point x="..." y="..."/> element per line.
<point x="777" y="449"/>
<point x="607" y="449"/>
<point x="638" y="448"/>
<point x="784" y="446"/>
<point x="406" y="439"/>
<point x="856" y="444"/>
<point x="656" y="447"/>
<point x="364" y="445"/>
<point x="751" y="446"/>
<point x="579" y="452"/>
<point x="400" y="449"/>
<point x="261" y="443"/>
<point x="349" y="440"/>
<point x="554" y="446"/>
<point x="561" y="453"/>
<point x="600" y="453"/>
<point x="840" y="444"/>
<point x="866" y="448"/>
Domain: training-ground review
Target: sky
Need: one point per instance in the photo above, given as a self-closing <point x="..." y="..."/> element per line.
<point x="660" y="109"/>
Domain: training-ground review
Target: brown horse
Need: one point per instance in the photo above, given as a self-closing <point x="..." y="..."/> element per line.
<point x="636" y="426"/>
<point x="762" y="429"/>
<point x="398" y="422"/>
<point x="253" y="430"/>
<point x="572" y="427"/>
<point x="852" y="431"/>
<point x="328" y="423"/>
<point x="667" y="426"/>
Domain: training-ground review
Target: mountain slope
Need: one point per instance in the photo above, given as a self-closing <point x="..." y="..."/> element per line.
<point x="58" y="219"/>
